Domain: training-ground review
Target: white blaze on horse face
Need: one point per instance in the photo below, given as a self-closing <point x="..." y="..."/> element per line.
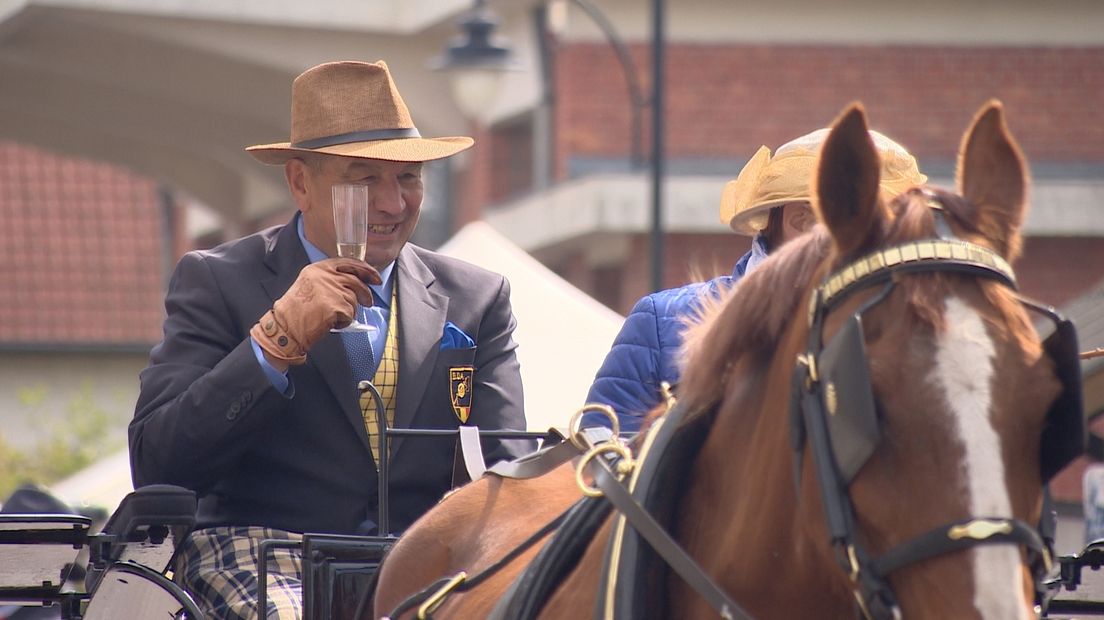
<point x="964" y="369"/>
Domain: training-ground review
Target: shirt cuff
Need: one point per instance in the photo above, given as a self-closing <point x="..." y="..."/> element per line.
<point x="279" y="380"/>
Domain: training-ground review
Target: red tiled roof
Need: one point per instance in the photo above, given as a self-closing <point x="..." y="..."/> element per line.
<point x="80" y="252"/>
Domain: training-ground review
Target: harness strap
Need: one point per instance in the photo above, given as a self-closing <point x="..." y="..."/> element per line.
<point x="537" y="464"/>
<point x="529" y="592"/>
<point x="419" y="597"/>
<point x="667" y="547"/>
<point x="963" y="535"/>
<point x="530" y="466"/>
<point x="549" y="457"/>
<point x="472" y="452"/>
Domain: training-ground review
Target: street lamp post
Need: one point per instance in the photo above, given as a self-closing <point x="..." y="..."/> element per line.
<point x="476" y="62"/>
<point x="658" y="143"/>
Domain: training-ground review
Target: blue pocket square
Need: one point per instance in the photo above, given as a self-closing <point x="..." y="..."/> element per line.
<point x="455" y="338"/>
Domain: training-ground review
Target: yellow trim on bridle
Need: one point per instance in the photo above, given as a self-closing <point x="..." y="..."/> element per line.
<point x="926" y="251"/>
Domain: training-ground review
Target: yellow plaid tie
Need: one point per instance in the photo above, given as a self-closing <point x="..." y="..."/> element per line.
<point x="387" y="377"/>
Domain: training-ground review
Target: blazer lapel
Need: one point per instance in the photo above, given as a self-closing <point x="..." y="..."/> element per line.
<point x="421" y="321"/>
<point x="286" y="258"/>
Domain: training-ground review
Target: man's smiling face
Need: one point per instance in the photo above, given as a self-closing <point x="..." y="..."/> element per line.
<point x="394" y="201"/>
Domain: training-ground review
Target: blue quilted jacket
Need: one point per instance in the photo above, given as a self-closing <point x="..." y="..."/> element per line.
<point x="645" y="351"/>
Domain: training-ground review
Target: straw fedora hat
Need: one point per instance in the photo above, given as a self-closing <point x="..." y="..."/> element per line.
<point x="767" y="182"/>
<point x="353" y="109"/>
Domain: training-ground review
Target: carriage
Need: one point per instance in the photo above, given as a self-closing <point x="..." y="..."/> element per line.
<point x="837" y="448"/>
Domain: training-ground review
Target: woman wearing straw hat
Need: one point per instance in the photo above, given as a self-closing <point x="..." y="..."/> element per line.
<point x="770" y="201"/>
<point x="252" y="401"/>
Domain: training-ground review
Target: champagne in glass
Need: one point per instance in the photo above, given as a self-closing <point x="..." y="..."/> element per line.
<point x="350" y="208"/>
<point x="351" y="250"/>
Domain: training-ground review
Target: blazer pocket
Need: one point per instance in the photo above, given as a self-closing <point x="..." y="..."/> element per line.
<point x="456" y="357"/>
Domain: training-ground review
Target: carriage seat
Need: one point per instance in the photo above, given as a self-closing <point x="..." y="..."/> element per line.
<point x="145" y="529"/>
<point x="42" y="542"/>
<point x="128" y="559"/>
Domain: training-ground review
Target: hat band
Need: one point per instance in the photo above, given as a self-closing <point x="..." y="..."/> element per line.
<point x="359" y="136"/>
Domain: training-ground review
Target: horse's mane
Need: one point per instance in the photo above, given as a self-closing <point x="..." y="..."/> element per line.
<point x="750" y="318"/>
<point x="747" y="324"/>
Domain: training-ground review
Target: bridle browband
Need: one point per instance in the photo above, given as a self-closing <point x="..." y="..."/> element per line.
<point x="833" y="409"/>
<point x="948" y="255"/>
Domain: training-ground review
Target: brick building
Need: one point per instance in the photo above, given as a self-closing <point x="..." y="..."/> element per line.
<point x="727" y="98"/>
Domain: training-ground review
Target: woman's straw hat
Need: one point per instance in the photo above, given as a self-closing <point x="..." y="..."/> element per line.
<point x="767" y="182"/>
<point x="353" y="109"/>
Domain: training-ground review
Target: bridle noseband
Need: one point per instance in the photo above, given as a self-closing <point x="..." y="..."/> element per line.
<point x="832" y="407"/>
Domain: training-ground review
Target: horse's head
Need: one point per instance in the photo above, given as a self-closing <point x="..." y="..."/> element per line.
<point x="936" y="388"/>
<point x="925" y="412"/>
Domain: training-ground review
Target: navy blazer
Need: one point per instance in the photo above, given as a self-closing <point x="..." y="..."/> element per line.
<point x="208" y="419"/>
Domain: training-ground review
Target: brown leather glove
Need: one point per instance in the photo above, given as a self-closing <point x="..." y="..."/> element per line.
<point x="324" y="295"/>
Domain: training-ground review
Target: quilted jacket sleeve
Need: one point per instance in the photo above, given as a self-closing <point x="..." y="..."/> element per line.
<point x="646" y="351"/>
<point x="629" y="378"/>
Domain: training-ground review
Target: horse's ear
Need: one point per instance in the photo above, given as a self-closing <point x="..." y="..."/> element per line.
<point x="992" y="177"/>
<point x="847" y="184"/>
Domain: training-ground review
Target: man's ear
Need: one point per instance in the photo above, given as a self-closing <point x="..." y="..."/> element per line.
<point x="297" y="173"/>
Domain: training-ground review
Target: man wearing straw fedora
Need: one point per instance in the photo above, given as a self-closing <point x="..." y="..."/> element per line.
<point x="252" y="401"/>
<point x="769" y="201"/>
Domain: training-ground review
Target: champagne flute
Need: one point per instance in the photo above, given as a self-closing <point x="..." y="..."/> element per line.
<point x="350" y="208"/>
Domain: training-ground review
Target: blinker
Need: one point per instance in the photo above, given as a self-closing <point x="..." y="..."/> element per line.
<point x="1064" y="435"/>
<point x="846" y="393"/>
<point x="845" y="390"/>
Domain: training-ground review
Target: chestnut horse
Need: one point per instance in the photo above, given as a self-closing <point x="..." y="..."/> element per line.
<point x="935" y="518"/>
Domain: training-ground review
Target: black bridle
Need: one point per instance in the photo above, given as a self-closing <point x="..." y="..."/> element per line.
<point x="833" y="408"/>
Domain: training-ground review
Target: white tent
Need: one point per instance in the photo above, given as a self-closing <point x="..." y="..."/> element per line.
<point x="102" y="484"/>
<point x="563" y="334"/>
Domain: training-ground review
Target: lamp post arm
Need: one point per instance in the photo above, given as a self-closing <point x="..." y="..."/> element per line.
<point x="632" y="77"/>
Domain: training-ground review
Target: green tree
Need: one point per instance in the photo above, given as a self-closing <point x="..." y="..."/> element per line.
<point x="81" y="438"/>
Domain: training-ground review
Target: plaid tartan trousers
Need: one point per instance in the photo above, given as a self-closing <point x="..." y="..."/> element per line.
<point x="218" y="567"/>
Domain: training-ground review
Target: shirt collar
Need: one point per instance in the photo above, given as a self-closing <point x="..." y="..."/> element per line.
<point x="382" y="293"/>
<point x="759" y="253"/>
<point x="754" y="257"/>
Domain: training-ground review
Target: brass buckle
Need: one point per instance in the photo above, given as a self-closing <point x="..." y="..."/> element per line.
<point x="434" y="601"/>
<point x="573" y="427"/>
<point x="623" y="467"/>
<point x="808" y="360"/>
<point x="853" y="560"/>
